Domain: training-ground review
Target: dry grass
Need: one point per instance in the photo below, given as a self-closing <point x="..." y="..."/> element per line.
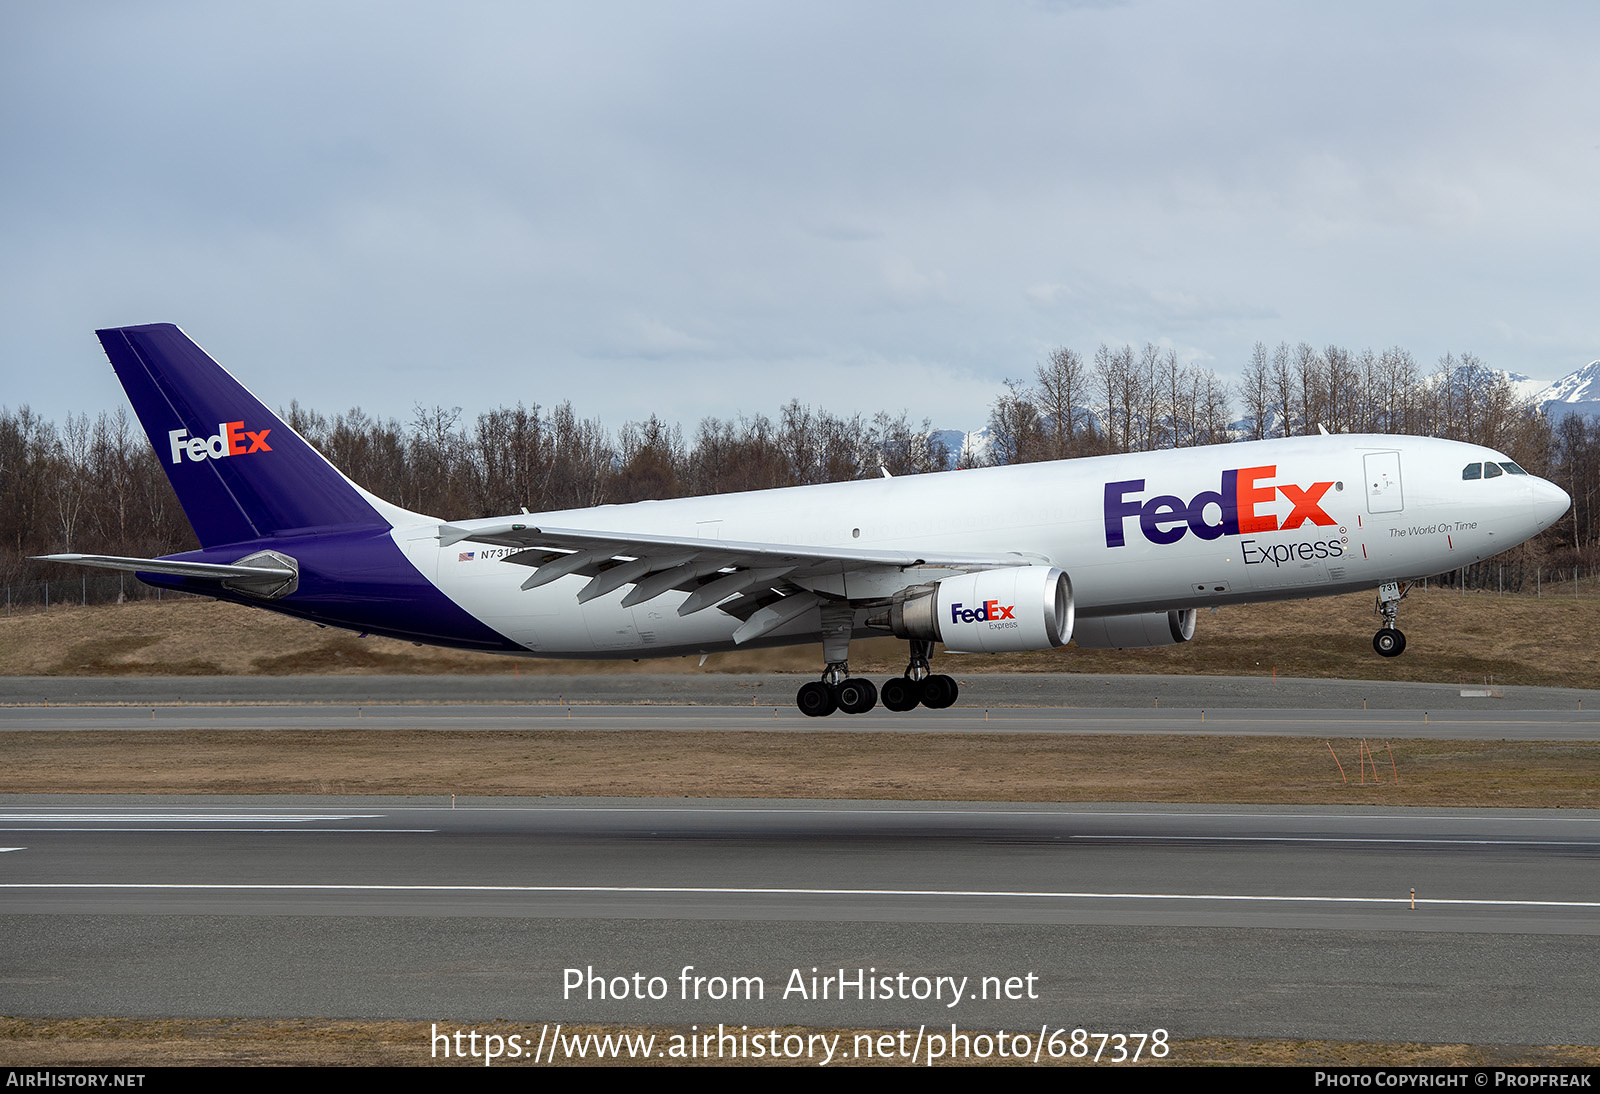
<point x="132" y="1043"/>
<point x="906" y="767"/>
<point x="1454" y="638"/>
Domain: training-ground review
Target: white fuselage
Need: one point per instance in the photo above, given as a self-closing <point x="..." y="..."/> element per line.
<point x="1140" y="532"/>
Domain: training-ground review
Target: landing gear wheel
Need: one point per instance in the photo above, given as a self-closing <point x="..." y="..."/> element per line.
<point x="900" y="694"/>
<point x="857" y="695"/>
<point x="1389" y="642"/>
<point x="816" y="699"/>
<point x="939" y="692"/>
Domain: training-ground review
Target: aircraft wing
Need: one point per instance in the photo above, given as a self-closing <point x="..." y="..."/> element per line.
<point x="757" y="575"/>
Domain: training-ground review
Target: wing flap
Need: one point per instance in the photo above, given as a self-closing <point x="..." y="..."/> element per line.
<point x="640" y="544"/>
<point x="761" y="578"/>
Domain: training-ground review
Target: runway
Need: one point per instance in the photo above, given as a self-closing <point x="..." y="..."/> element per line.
<point x="1239" y="921"/>
<point x="1227" y="921"/>
<point x="1060" y="691"/>
<point x="1529" y="725"/>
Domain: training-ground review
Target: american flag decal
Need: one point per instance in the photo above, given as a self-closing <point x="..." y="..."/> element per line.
<point x="465" y="556"/>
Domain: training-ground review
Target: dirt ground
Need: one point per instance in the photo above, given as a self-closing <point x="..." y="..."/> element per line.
<point x="889" y="766"/>
<point x="1471" y="638"/>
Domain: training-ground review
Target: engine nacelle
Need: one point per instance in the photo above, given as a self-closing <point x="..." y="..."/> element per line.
<point x="992" y="611"/>
<point x="1131" y="632"/>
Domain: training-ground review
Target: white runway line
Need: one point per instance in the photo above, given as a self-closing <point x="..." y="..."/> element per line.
<point x="1402" y="840"/>
<point x="824" y="811"/>
<point x="223" y="818"/>
<point x="132" y="823"/>
<point x="660" y="890"/>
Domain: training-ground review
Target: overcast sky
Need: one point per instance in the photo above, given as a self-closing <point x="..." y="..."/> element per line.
<point x="697" y="208"/>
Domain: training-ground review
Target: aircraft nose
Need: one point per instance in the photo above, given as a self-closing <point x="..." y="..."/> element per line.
<point x="1549" y="501"/>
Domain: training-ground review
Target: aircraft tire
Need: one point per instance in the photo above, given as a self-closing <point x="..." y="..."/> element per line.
<point x="900" y="694"/>
<point x="939" y="692"/>
<point x="816" y="699"/>
<point x="857" y="695"/>
<point x="1389" y="642"/>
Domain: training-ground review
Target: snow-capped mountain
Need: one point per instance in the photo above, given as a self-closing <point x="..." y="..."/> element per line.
<point x="964" y="449"/>
<point x="1576" y="393"/>
<point x="1526" y="387"/>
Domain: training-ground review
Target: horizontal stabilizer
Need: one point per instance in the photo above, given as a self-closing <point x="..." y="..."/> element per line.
<point x="266" y="574"/>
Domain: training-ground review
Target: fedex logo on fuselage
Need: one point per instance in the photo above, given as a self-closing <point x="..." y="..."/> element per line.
<point x="1168" y="518"/>
<point x="228" y="440"/>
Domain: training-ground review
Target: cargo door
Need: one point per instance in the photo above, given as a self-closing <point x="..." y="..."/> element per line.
<point x="1383" y="483"/>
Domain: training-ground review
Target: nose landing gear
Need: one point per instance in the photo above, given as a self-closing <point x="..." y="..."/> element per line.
<point x="1390" y="641"/>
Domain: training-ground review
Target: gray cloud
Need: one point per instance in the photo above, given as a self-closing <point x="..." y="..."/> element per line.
<point x="698" y="209"/>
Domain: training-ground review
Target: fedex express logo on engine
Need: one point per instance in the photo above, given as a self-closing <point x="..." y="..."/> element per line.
<point x="230" y="439"/>
<point x="1167" y="518"/>
<point x="992" y="611"/>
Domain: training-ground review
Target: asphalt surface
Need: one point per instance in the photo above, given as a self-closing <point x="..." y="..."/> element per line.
<point x="978" y="690"/>
<point x="1220" y="921"/>
<point x="1228" y="921"/>
<point x="1013" y="703"/>
<point x="1529" y="725"/>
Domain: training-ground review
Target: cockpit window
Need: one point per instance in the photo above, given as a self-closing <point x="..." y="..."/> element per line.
<point x="1492" y="471"/>
<point x="1512" y="468"/>
<point x="1472" y="471"/>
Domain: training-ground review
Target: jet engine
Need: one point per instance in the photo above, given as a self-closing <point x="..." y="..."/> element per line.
<point x="990" y="611"/>
<point x="1129" y="632"/>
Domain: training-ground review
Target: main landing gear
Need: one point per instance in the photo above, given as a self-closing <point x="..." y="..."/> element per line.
<point x="850" y="695"/>
<point x="838" y="690"/>
<point x="1390" y="641"/>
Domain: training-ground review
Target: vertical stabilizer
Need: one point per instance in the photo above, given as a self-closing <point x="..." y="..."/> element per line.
<point x="238" y="470"/>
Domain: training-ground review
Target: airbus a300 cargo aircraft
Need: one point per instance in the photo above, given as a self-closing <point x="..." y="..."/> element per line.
<point x="1115" y="551"/>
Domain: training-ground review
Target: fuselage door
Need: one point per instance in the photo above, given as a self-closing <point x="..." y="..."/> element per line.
<point x="1383" y="483"/>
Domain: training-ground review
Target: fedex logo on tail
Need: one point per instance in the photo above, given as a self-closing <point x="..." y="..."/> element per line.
<point x="230" y="439"/>
<point x="1243" y="491"/>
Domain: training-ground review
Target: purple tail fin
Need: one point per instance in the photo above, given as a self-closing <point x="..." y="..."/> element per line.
<point x="238" y="471"/>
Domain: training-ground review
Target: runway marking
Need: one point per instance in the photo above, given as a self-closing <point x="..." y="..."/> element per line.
<point x="228" y="818"/>
<point x="1489" y="815"/>
<point x="659" y="890"/>
<point x="4" y="849"/>
<point x="1354" y="839"/>
<point x="280" y="831"/>
<point x="222" y="822"/>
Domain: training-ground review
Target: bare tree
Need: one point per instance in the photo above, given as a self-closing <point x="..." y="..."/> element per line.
<point x="1062" y="390"/>
<point x="1016" y="432"/>
<point x="1255" y="391"/>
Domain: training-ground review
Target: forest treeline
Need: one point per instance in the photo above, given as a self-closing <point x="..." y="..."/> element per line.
<point x="93" y="484"/>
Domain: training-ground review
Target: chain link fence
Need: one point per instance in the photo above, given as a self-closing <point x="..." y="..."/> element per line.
<point x="1517" y="579"/>
<point x="33" y="596"/>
